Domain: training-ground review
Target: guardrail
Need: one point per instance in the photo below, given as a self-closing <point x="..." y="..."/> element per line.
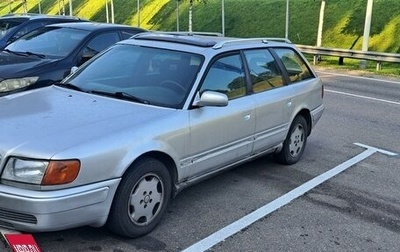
<point x="378" y="57"/>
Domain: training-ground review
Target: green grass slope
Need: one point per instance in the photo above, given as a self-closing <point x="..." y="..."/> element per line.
<point x="343" y="22"/>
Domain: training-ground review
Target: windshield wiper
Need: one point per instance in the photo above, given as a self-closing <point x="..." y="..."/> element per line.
<point x="42" y="56"/>
<point x="121" y="95"/>
<point x="70" y="86"/>
<point x="13" y="52"/>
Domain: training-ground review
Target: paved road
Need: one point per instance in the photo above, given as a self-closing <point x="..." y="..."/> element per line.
<point x="356" y="210"/>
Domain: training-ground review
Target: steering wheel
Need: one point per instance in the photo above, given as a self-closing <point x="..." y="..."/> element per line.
<point x="176" y="86"/>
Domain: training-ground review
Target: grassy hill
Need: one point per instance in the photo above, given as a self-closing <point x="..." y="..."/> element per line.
<point x="343" y="22"/>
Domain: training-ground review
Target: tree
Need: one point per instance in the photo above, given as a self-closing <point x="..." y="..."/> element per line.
<point x="25" y="6"/>
<point x="358" y="17"/>
<point x="61" y="7"/>
<point x="362" y="14"/>
<point x="190" y="15"/>
<point x="321" y="23"/>
<point x="40" y="7"/>
<point x="70" y="8"/>
<point x="111" y="3"/>
<point x="191" y="12"/>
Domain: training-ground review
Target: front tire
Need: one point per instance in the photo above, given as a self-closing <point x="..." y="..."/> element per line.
<point x="141" y="199"/>
<point x="295" y="142"/>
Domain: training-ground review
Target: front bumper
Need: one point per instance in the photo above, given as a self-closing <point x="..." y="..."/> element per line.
<point x="40" y="211"/>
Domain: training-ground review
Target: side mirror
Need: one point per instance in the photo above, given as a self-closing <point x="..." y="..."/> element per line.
<point x="73" y="69"/>
<point x="211" y="98"/>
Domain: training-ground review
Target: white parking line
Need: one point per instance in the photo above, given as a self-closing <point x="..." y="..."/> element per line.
<point x="358" y="77"/>
<point x="362" y="96"/>
<point x="249" y="219"/>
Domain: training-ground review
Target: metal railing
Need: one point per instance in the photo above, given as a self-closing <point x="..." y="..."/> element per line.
<point x="378" y="57"/>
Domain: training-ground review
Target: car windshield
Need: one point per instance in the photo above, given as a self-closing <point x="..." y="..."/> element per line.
<point x="7" y="25"/>
<point x="157" y="76"/>
<point x="49" y="41"/>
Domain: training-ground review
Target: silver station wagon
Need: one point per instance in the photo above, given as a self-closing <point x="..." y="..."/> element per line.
<point x="122" y="135"/>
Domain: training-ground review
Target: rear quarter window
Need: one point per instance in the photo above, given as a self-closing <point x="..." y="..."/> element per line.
<point x="126" y="34"/>
<point x="27" y="28"/>
<point x="295" y="66"/>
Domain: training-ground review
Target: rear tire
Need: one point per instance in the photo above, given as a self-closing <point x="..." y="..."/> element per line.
<point x="141" y="199"/>
<point x="295" y="142"/>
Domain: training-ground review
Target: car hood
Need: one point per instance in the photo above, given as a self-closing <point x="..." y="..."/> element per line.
<point x="11" y="65"/>
<point x="49" y="120"/>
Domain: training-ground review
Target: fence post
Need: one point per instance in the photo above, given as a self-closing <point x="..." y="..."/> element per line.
<point x="378" y="66"/>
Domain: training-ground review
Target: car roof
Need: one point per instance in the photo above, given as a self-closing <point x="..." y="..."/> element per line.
<point x="198" y="42"/>
<point x="92" y="26"/>
<point x="35" y="16"/>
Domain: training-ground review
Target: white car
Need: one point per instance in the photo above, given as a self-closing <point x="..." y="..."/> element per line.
<point x="149" y="116"/>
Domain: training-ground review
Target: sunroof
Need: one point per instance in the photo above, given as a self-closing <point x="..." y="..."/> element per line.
<point x="203" y="41"/>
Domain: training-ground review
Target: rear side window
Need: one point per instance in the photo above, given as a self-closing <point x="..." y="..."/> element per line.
<point x="264" y="71"/>
<point x="28" y="28"/>
<point x="126" y="34"/>
<point x="226" y="75"/>
<point x="102" y="41"/>
<point x="296" y="67"/>
<point x="9" y="25"/>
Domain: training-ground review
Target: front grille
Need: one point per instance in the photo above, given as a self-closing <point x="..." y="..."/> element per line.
<point x="7" y="215"/>
<point x="6" y="224"/>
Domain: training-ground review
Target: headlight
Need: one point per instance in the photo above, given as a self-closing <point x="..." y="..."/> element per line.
<point x="39" y="172"/>
<point x="13" y="84"/>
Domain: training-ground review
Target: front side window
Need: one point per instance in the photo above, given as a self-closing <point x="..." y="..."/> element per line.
<point x="226" y="75"/>
<point x="263" y="69"/>
<point x="294" y="64"/>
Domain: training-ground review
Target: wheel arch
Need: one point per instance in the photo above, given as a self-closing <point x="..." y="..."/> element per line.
<point x="163" y="158"/>
<point x="306" y="114"/>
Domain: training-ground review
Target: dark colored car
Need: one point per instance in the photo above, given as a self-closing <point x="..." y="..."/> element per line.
<point x="13" y="26"/>
<point x="46" y="55"/>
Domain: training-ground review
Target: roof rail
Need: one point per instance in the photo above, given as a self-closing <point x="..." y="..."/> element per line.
<point x="284" y="40"/>
<point x="17" y="14"/>
<point x="221" y="44"/>
<point x="188" y="33"/>
<point x="168" y="37"/>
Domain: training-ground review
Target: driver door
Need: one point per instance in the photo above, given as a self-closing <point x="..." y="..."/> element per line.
<point x="220" y="136"/>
